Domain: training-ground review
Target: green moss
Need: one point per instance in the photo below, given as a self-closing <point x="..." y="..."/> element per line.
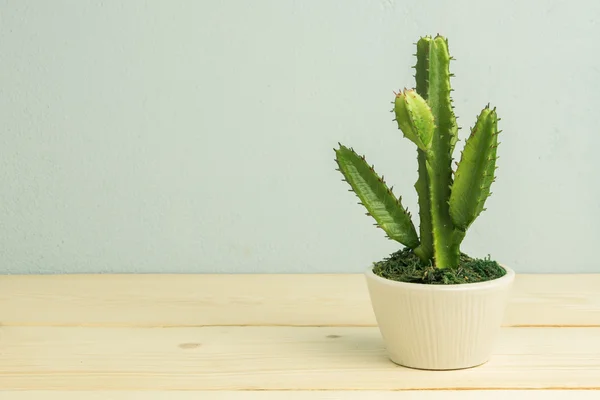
<point x="405" y="266"/>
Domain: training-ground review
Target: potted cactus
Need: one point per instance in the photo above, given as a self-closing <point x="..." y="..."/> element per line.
<point x="436" y="307"/>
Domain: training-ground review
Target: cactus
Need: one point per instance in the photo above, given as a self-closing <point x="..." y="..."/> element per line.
<point x="448" y="202"/>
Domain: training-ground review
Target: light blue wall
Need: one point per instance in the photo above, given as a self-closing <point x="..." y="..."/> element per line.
<point x="197" y="136"/>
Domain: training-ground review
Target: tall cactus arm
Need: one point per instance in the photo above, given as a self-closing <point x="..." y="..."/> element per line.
<point x="422" y="66"/>
<point x="439" y="156"/>
<point x="475" y="172"/>
<point x="376" y="197"/>
<point x="425" y="249"/>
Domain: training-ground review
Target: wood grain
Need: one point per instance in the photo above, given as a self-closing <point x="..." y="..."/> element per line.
<point x="278" y="358"/>
<point x="259" y="300"/>
<point x="306" y="395"/>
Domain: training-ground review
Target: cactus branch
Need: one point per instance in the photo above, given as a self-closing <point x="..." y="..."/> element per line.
<point x="475" y="172"/>
<point x="377" y="198"/>
<point x="414" y="118"/>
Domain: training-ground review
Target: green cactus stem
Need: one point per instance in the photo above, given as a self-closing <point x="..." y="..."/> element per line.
<point x="433" y="80"/>
<point x="378" y="199"/>
<point x="439" y="157"/>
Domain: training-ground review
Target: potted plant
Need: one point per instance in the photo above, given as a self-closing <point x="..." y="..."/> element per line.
<point x="436" y="307"/>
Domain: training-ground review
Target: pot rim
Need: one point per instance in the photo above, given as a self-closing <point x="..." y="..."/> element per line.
<point x="503" y="280"/>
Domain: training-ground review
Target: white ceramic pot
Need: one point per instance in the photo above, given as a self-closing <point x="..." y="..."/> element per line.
<point x="439" y="327"/>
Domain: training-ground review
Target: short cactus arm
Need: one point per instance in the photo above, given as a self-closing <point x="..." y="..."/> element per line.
<point x="475" y="172"/>
<point x="376" y="197"/>
<point x="414" y="118"/>
<point x="416" y="121"/>
<point x="439" y="156"/>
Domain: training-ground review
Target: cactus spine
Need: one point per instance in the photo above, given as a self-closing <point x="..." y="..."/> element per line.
<point x="447" y="205"/>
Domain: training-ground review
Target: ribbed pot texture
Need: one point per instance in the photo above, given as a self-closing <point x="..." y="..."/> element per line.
<point x="439" y="327"/>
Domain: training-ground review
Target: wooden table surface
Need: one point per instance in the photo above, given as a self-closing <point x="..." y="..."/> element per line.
<point x="266" y="337"/>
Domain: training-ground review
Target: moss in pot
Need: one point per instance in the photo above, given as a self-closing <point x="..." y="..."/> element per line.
<point x="436" y="307"/>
